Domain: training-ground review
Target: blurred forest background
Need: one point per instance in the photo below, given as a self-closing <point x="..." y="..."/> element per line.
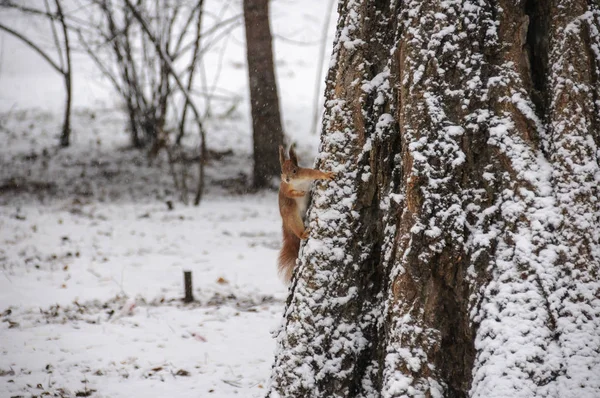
<point x="172" y="69"/>
<point x="116" y="116"/>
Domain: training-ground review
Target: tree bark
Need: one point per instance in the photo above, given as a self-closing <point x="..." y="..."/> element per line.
<point x="266" y="119"/>
<point x="457" y="252"/>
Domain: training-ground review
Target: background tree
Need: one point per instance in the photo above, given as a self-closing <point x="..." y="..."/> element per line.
<point x="62" y="45"/>
<point x="149" y="51"/>
<point x="266" y="120"/>
<point x="137" y="61"/>
<point x="457" y="252"/>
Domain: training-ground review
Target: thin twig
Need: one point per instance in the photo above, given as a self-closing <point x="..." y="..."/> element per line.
<point x="296" y="42"/>
<point x="34" y="47"/>
<point x="234" y="22"/>
<point x="45" y="14"/>
<point x="185" y="27"/>
<point x="103" y="68"/>
<point x="316" y="101"/>
<point x="192" y="69"/>
<point x="211" y="92"/>
<point x="55" y="36"/>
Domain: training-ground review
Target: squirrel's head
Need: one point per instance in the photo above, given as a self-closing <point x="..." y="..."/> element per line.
<point x="289" y="167"/>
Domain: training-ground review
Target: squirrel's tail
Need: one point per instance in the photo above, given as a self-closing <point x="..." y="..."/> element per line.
<point x="288" y="255"/>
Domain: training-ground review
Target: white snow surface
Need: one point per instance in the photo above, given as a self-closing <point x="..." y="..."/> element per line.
<point x="92" y="261"/>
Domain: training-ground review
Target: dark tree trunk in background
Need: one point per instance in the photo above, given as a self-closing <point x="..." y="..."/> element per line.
<point x="457" y="251"/>
<point x="266" y="120"/>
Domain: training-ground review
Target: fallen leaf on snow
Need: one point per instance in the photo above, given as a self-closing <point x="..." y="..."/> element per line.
<point x="199" y="337"/>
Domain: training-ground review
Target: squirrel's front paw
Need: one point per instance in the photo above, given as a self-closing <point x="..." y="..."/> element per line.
<point x="305" y="234"/>
<point x="329" y="175"/>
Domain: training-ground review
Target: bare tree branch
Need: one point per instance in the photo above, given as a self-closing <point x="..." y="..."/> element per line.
<point x="34" y="47"/>
<point x="63" y="66"/>
<point x="55" y="36"/>
<point x="192" y="69"/>
<point x="186" y="25"/>
<point x="103" y="68"/>
<point x="234" y="22"/>
<point x="73" y="23"/>
<point x="316" y="108"/>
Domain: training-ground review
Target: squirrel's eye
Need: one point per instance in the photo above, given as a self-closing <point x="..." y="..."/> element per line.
<point x="294" y="171"/>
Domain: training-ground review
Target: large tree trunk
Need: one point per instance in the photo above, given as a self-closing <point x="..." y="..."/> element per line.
<point x="457" y="252"/>
<point x="266" y="120"/>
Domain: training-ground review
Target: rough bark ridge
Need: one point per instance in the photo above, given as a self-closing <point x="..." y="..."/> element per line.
<point x="266" y="119"/>
<point x="457" y="251"/>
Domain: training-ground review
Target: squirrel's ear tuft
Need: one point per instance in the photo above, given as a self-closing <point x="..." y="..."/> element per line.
<point x="281" y="155"/>
<point x="293" y="156"/>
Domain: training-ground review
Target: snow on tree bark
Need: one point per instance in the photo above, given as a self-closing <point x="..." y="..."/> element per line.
<point x="457" y="251"/>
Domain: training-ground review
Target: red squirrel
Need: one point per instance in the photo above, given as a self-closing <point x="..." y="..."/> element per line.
<point x="293" y="199"/>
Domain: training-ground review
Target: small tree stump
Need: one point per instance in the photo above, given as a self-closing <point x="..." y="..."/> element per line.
<point x="187" y="284"/>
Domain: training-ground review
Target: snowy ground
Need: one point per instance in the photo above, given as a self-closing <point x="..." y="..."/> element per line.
<point x="92" y="256"/>
<point x="92" y="276"/>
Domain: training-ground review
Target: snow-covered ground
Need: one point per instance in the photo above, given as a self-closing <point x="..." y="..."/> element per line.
<point x="92" y="256"/>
